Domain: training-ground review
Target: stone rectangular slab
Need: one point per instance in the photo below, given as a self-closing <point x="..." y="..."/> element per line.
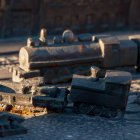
<point x="109" y="92"/>
<point x="110" y="48"/>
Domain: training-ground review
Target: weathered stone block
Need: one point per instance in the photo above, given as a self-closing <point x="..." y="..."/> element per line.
<point x="110" y="48"/>
<point x="112" y="91"/>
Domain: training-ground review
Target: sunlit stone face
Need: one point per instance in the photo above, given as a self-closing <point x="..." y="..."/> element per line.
<point x="43" y="35"/>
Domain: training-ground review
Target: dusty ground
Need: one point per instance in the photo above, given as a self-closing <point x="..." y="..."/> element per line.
<point x="69" y="126"/>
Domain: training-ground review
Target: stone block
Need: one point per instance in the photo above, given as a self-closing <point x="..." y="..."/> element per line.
<point x="111" y="91"/>
<point x="110" y="48"/>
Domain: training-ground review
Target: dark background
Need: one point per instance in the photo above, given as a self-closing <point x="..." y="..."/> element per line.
<point x="26" y="17"/>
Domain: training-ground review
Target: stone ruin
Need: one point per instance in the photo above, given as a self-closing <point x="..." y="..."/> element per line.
<point x="42" y="79"/>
